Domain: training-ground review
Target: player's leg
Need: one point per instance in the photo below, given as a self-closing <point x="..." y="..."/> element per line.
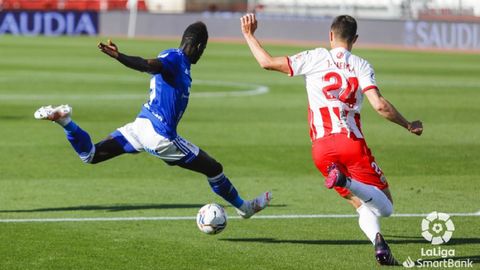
<point x="357" y="171"/>
<point x="369" y="222"/>
<point x="202" y="163"/>
<point x="177" y="151"/>
<point x="219" y="182"/>
<point x="371" y="196"/>
<point x="222" y="186"/>
<point x="117" y="143"/>
<point x="79" y="138"/>
<point x="107" y="149"/>
<point x="325" y="152"/>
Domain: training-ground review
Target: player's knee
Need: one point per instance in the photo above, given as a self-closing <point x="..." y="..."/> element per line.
<point x="216" y="169"/>
<point x="387" y="210"/>
<point x="205" y="165"/>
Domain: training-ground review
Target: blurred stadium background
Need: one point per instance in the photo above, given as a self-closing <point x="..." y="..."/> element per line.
<point x="441" y="24"/>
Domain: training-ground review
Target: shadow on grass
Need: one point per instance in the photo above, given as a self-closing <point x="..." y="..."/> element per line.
<point x="269" y="206"/>
<point x="113" y="208"/>
<point x="456" y="241"/>
<point x="13" y="117"/>
<point x="110" y="208"/>
<point x="304" y="242"/>
<point x="399" y="239"/>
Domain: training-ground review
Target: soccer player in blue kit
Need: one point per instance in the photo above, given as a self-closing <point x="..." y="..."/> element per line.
<point x="154" y="129"/>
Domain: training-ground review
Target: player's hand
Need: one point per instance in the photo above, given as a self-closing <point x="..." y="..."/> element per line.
<point x="249" y="24"/>
<point x="416" y="127"/>
<point x="110" y="48"/>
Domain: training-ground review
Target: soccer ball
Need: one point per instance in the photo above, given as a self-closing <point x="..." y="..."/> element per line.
<point x="211" y="218"/>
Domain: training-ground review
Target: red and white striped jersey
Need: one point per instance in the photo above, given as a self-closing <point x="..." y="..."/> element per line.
<point x="335" y="82"/>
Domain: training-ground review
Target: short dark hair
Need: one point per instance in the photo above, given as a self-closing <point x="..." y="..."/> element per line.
<point x="195" y="34"/>
<point x="344" y="27"/>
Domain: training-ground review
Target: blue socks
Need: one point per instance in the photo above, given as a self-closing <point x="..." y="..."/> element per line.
<point x="71" y="127"/>
<point x="224" y="188"/>
<point x="80" y="141"/>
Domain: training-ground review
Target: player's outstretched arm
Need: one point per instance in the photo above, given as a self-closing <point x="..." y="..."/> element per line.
<point x="153" y="66"/>
<point x="264" y="59"/>
<point x="388" y="111"/>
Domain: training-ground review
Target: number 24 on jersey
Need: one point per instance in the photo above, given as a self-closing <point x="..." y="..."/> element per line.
<point x="347" y="92"/>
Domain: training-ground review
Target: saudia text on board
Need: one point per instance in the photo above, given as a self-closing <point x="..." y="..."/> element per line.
<point x="444" y="35"/>
<point x="49" y="23"/>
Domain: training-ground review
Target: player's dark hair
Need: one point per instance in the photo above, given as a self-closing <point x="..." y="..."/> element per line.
<point x="196" y="33"/>
<point x="194" y="41"/>
<point x="345" y="28"/>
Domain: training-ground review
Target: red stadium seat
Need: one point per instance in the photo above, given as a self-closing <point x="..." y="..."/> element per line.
<point x="68" y="4"/>
<point x="75" y="5"/>
<point x="30" y="5"/>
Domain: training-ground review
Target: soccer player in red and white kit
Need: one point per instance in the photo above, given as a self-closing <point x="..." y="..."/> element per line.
<point x="336" y="82"/>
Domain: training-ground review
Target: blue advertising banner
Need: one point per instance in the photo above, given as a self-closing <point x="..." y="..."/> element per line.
<point x="49" y="23"/>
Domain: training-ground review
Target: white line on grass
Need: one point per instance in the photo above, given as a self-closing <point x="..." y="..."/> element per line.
<point x="43" y="220"/>
<point x="249" y="90"/>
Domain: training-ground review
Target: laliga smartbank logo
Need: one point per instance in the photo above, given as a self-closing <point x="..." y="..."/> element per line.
<point x="437" y="228"/>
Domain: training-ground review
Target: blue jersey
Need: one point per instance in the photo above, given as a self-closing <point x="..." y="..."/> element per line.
<point x="169" y="93"/>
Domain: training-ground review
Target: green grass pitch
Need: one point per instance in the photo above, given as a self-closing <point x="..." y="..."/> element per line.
<point x="261" y="140"/>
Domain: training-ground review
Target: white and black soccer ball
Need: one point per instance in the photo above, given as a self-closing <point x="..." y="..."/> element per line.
<point x="211" y="218"/>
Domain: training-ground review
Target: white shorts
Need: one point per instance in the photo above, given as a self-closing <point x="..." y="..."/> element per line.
<point x="143" y="137"/>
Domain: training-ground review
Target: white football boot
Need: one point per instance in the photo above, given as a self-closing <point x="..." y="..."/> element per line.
<point x="250" y="208"/>
<point x="60" y="114"/>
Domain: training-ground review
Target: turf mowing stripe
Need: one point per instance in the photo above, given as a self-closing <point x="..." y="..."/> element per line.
<point x="235" y="217"/>
<point x="250" y="90"/>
